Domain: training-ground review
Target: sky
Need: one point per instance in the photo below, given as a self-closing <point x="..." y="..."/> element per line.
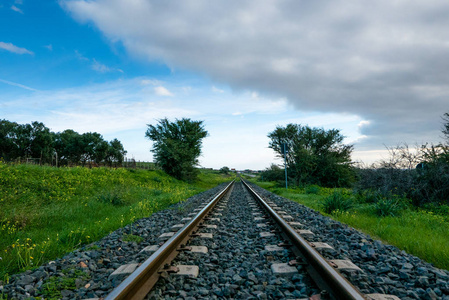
<point x="377" y="70"/>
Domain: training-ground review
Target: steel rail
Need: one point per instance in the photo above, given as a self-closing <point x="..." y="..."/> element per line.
<point x="322" y="272"/>
<point x="139" y="283"/>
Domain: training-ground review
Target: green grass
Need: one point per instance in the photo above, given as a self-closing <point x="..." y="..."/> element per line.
<point x="419" y="232"/>
<point x="46" y="212"/>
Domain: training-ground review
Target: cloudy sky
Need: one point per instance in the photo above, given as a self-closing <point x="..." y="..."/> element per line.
<point x="376" y="70"/>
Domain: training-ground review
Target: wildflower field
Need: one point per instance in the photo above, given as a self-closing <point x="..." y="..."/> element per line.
<point x="421" y="232"/>
<point x="46" y="212"/>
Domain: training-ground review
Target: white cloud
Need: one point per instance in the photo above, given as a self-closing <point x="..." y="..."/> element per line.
<point x="49" y="47"/>
<point x="162" y="91"/>
<point x="106" y="108"/>
<point x="330" y="56"/>
<point x="121" y="109"/>
<point x="150" y="82"/>
<point x="96" y="66"/>
<point x="363" y="123"/>
<point x="12" y="48"/>
<point x="20" y="2"/>
<point x="18" y="85"/>
<point x="80" y="56"/>
<point x="102" y="68"/>
<point x="217" y="90"/>
<point x="15" y="8"/>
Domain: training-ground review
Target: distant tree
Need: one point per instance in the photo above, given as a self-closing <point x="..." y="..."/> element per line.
<point x="40" y="141"/>
<point x="314" y="155"/>
<point x="26" y="141"/>
<point x="74" y="148"/>
<point x="225" y="170"/>
<point x="177" y="146"/>
<point x="69" y="147"/>
<point x="35" y="140"/>
<point x="116" y="153"/>
<point x="94" y="147"/>
<point x="9" y="148"/>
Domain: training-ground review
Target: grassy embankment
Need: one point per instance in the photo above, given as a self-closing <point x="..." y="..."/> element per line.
<point x="46" y="212"/>
<point x="419" y="232"/>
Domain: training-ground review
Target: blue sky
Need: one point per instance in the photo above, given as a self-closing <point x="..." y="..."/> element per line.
<point x="378" y="73"/>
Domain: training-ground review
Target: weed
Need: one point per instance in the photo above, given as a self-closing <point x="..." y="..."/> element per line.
<point x="132" y="238"/>
<point x="53" y="286"/>
<point x="336" y="202"/>
<point x="111" y="198"/>
<point x="92" y="247"/>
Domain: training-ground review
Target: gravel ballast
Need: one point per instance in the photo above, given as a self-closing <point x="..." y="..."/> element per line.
<point x="237" y="265"/>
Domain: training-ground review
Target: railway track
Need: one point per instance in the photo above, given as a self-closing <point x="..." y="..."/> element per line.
<point x="239" y="241"/>
<point x="331" y="283"/>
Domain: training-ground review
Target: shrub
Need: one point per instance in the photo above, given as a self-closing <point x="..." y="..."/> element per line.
<point x="273" y="173"/>
<point x="312" y="189"/>
<point x="388" y="207"/>
<point x="368" y="196"/>
<point x="336" y="202"/>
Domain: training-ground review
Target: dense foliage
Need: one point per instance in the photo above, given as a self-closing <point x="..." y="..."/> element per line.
<point x="314" y="155"/>
<point x="420" y="174"/>
<point x="36" y="141"/>
<point x="177" y="146"/>
<point x="273" y="173"/>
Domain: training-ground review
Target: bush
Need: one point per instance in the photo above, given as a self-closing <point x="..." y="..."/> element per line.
<point x="421" y="175"/>
<point x="388" y="207"/>
<point x="312" y="189"/>
<point x="273" y="173"/>
<point x="368" y="196"/>
<point x="336" y="202"/>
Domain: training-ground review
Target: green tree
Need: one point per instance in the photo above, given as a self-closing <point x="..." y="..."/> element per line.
<point x="40" y="141"/>
<point x="69" y="147"/>
<point x="314" y="155"/>
<point x="27" y="141"/>
<point x="9" y="148"/>
<point x="116" y="153"/>
<point x="177" y="146"/>
<point x="95" y="148"/>
<point x="225" y="170"/>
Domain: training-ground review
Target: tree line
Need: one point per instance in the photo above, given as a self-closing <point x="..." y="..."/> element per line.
<point x="36" y="141"/>
<point x="318" y="156"/>
<point x="419" y="173"/>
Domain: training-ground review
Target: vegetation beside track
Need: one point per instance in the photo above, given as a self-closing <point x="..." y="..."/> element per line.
<point x="422" y="233"/>
<point x="46" y="212"/>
